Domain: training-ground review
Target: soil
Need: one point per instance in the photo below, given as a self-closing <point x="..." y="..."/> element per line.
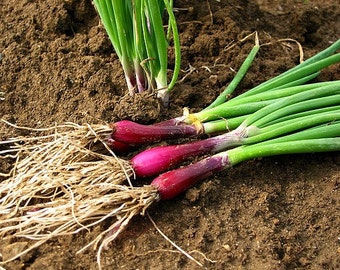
<point x="57" y="65"/>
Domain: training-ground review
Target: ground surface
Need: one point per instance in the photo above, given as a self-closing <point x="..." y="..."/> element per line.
<point x="275" y="213"/>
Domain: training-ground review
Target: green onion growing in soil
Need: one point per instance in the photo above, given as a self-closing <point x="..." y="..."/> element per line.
<point x="136" y="30"/>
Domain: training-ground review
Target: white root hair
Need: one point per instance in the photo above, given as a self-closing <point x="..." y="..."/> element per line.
<point x="62" y="183"/>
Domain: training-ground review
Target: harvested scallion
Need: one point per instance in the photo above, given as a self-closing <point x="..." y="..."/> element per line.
<point x="324" y="138"/>
<point x="233" y="111"/>
<point x="72" y="206"/>
<point x="67" y="179"/>
<point x="159" y="159"/>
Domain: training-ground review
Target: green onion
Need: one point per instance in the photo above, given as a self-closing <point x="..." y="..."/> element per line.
<point x="60" y="185"/>
<point x="323" y="138"/>
<point x="136" y="31"/>
<point x="227" y="115"/>
<point x="300" y="111"/>
<point x="69" y="206"/>
<point x="238" y="77"/>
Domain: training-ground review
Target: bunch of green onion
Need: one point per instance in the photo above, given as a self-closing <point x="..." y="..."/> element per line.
<point x="136" y="30"/>
<point x="284" y="115"/>
<point x="281" y="116"/>
<point x="304" y="123"/>
<point x="225" y="114"/>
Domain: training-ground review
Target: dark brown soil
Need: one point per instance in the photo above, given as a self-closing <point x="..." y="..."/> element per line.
<point x="58" y="65"/>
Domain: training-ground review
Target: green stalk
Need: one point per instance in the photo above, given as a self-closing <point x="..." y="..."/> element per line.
<point x="163" y="92"/>
<point x="323" y="138"/>
<point x="243" y="153"/>
<point x="292" y="125"/>
<point x="123" y="21"/>
<point x="238" y="107"/>
<point x="311" y="99"/>
<point x="176" y="40"/>
<point x="222" y="125"/>
<point x="136" y="30"/>
<point x="159" y="42"/>
<point x="142" y="80"/>
<point x="299" y="81"/>
<point x="293" y="75"/>
<point x="295" y="112"/>
<point x="302" y="114"/>
<point x="319" y="56"/>
<point x="296" y="71"/>
<point x="281" y="92"/>
<point x="327" y="130"/>
<point x="226" y="112"/>
<point x="270" y="128"/>
<point x="238" y="77"/>
<point x="117" y="23"/>
<point x="105" y="16"/>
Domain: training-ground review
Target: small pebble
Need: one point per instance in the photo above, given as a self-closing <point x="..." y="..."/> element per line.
<point x="227" y="247"/>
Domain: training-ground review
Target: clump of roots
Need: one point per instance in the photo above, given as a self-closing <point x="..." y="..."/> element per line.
<point x="61" y="183"/>
<point x="60" y="156"/>
<point x="76" y="210"/>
